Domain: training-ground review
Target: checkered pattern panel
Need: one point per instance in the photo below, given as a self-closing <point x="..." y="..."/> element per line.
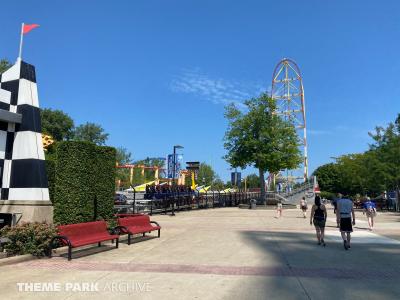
<point x="22" y="164"/>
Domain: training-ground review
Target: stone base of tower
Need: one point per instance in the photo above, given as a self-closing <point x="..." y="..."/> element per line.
<point x="29" y="211"/>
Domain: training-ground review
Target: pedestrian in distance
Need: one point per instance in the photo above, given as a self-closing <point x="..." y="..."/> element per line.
<point x="370" y="211"/>
<point x="334" y="202"/>
<point x="303" y="206"/>
<point x="345" y="218"/>
<point x="318" y="218"/>
<point x="279" y="209"/>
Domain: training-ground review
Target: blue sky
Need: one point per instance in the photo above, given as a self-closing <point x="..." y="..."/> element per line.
<point x="158" y="73"/>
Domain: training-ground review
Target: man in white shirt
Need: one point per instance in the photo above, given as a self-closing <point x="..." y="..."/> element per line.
<point x="345" y="218"/>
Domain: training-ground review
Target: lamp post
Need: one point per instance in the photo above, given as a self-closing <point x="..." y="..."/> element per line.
<point x="174" y="162"/>
<point x="173" y="176"/>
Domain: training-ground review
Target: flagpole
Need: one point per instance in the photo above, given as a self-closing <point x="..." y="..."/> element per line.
<point x="21" y="41"/>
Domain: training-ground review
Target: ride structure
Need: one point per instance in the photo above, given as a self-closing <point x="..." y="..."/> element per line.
<point x="288" y="92"/>
<point x="131" y="167"/>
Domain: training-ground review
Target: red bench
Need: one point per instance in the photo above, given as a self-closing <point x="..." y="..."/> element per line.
<point x="82" y="234"/>
<point x="136" y="225"/>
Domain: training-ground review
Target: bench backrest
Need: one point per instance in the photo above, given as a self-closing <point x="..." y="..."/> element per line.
<point x="73" y="231"/>
<point x="134" y="221"/>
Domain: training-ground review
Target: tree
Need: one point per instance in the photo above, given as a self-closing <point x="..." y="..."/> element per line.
<point x="370" y="172"/>
<point x="387" y="149"/>
<point x="329" y="178"/>
<point x="206" y="174"/>
<point x="4" y="65"/>
<point x="261" y="138"/>
<point x="218" y="184"/>
<point x="57" y="124"/>
<point x="151" y="162"/>
<point x="123" y="156"/>
<point x="91" y="132"/>
<point x="252" y="181"/>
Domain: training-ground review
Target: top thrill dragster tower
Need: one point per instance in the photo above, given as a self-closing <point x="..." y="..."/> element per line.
<point x="287" y="90"/>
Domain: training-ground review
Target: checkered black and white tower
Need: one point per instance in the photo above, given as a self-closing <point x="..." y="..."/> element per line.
<point x="24" y="184"/>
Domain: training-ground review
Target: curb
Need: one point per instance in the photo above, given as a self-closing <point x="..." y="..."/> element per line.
<point x="16" y="259"/>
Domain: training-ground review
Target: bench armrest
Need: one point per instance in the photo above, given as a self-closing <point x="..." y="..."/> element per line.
<point x="154" y="222"/>
<point x="62" y="238"/>
<point x="117" y="230"/>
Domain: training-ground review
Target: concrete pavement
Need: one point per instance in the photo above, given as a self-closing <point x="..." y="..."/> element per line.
<point x="224" y="253"/>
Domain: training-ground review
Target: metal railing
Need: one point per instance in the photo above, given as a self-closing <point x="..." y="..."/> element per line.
<point x="177" y="201"/>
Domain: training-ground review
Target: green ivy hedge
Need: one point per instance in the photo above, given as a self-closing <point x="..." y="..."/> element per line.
<point x="81" y="173"/>
<point x="51" y="173"/>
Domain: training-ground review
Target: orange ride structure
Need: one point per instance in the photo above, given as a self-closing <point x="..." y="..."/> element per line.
<point x="131" y="167"/>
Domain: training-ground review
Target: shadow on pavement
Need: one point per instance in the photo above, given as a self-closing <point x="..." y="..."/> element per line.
<point x="83" y="252"/>
<point x="138" y="239"/>
<point x="304" y="270"/>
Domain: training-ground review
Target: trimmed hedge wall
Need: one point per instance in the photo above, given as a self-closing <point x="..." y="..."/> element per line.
<point x="104" y="181"/>
<point x="82" y="172"/>
<point x="51" y="173"/>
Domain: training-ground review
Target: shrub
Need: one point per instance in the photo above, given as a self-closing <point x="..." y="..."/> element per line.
<point x="328" y="195"/>
<point x="28" y="238"/>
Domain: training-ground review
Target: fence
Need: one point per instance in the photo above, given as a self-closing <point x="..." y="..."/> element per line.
<point x="171" y="202"/>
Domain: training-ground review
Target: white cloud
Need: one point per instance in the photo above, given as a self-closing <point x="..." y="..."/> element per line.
<point x="341" y="130"/>
<point x="318" y="132"/>
<point x="216" y="90"/>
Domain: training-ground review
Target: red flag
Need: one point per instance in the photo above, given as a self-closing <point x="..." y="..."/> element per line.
<point x="29" y="27"/>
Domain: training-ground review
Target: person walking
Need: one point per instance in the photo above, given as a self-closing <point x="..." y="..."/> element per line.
<point x="303" y="206"/>
<point x="370" y="211"/>
<point x="318" y="218"/>
<point x="279" y="209"/>
<point x="334" y="202"/>
<point x="345" y="218"/>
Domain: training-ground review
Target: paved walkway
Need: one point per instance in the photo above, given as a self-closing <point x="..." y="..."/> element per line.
<point x="227" y="253"/>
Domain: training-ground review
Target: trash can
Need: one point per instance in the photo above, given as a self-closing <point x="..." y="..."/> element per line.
<point x="6" y="219"/>
<point x="253" y="204"/>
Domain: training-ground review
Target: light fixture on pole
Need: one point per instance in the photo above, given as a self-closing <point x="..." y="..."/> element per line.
<point x="174" y="162"/>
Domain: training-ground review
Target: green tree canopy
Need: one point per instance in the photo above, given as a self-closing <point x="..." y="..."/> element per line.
<point x="370" y="172"/>
<point x="329" y="178"/>
<point x="218" y="184"/>
<point x="91" y="132"/>
<point x="57" y="124"/>
<point x="252" y="181"/>
<point x="387" y="149"/>
<point x="123" y="156"/>
<point x="260" y="138"/>
<point x="4" y="65"/>
<point x="151" y="162"/>
<point x="206" y="174"/>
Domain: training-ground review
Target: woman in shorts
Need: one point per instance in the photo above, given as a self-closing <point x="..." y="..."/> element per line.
<point x="318" y="217"/>
<point x="370" y="211"/>
<point x="279" y="209"/>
